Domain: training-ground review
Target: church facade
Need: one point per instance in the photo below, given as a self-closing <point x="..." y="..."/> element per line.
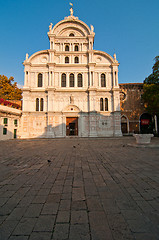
<point x="71" y="89"/>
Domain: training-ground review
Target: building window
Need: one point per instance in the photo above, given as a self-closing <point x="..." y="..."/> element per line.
<point x="80" y="83"/>
<point x="106" y="104"/>
<point x="101" y="105"/>
<point x="66" y="59"/>
<point x="37" y="104"/>
<point x="71" y="35"/>
<point x="66" y="48"/>
<point x="41" y="104"/>
<point x="63" y="80"/>
<point x="5" y="121"/>
<point x="4" y="131"/>
<point x="16" y="123"/>
<point x="103" y="81"/>
<point x="76" y="60"/>
<point x="76" y="48"/>
<point x="71" y="80"/>
<point x="40" y="80"/>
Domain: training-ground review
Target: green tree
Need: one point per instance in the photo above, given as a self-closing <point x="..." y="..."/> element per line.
<point x="9" y="89"/>
<point x="151" y="90"/>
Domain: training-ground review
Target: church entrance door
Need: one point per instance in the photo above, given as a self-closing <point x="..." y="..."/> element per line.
<point x="71" y="126"/>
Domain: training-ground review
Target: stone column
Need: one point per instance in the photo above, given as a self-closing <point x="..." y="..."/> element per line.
<point x="113" y="79"/>
<point x="49" y="78"/>
<point x="59" y="80"/>
<point x="117" y="78"/>
<point x="93" y="80"/>
<point x="29" y="79"/>
<point x="53" y="79"/>
<point x="67" y="79"/>
<point x="26" y="78"/>
<point x="99" y="79"/>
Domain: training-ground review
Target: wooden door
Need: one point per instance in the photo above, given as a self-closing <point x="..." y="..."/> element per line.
<point x="71" y="126"/>
<point x="124" y="127"/>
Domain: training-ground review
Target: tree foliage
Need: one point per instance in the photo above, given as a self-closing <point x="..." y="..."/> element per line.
<point x="151" y="90"/>
<point x="9" y="89"/>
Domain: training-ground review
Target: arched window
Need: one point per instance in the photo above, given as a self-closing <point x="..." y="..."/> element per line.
<point x="71" y="80"/>
<point x="66" y="48"/>
<point x="103" y="82"/>
<point x="101" y="105"/>
<point x="76" y="48"/>
<point x="71" y="35"/>
<point x="66" y="59"/>
<point x="40" y="80"/>
<point x="106" y="104"/>
<point x="76" y="60"/>
<point x="41" y="104"/>
<point x="80" y="83"/>
<point x="63" y="80"/>
<point x="37" y="104"/>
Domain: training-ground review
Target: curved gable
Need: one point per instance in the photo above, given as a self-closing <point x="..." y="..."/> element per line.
<point x="41" y="57"/>
<point x="102" y="57"/>
<point x="65" y="27"/>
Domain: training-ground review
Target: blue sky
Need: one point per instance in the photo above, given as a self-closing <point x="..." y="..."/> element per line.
<point x="128" y="28"/>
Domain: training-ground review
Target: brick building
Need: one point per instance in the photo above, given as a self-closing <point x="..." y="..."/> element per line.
<point x="131" y="106"/>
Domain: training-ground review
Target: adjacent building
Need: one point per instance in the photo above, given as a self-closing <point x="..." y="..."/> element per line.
<point x="10" y="114"/>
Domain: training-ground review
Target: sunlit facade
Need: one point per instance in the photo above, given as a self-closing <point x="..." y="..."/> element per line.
<point x="71" y="89"/>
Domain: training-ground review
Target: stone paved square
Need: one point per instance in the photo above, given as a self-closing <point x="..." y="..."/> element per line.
<point x="92" y="189"/>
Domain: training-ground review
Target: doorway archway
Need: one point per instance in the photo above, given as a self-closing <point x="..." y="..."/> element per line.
<point x="146" y="123"/>
<point x="124" y="125"/>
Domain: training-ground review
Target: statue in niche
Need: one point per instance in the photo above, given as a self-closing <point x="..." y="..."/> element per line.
<point x="71" y="99"/>
<point x="50" y="26"/>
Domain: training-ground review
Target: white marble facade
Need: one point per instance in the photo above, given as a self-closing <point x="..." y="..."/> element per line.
<point x="71" y="89"/>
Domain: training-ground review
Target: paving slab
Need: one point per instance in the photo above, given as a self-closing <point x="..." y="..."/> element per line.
<point x="91" y="189"/>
